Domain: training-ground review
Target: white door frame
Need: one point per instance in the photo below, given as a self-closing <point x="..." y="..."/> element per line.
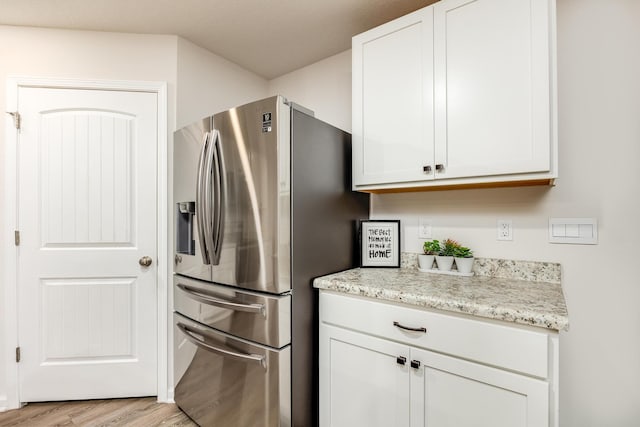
<point x="12" y="398"/>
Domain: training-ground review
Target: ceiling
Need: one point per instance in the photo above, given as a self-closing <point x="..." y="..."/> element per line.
<point x="268" y="37"/>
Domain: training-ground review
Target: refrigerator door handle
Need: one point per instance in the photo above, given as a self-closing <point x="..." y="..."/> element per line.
<point x="244" y="357"/>
<point x="200" y="296"/>
<point x="207" y="200"/>
<point x="219" y="197"/>
<point x="200" y="200"/>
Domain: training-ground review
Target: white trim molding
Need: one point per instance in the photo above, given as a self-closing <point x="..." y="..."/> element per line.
<point x="10" y="261"/>
<point x="11" y="398"/>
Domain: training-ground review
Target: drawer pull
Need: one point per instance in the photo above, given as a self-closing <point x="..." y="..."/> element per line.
<point x="203" y="297"/>
<point x="401" y="360"/>
<point x="415" y="364"/>
<point x="408" y="328"/>
<point x="191" y="335"/>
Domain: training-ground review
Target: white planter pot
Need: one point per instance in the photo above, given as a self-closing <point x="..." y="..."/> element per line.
<point x="444" y="262"/>
<point x="465" y="265"/>
<point x="425" y="262"/>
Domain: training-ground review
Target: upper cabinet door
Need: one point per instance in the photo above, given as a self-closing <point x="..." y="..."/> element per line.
<point x="492" y="87"/>
<point x="393" y="101"/>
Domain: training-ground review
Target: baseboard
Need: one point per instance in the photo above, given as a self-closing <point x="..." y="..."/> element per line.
<point x="170" y="396"/>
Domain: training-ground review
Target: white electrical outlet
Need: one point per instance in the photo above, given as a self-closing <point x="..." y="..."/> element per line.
<point x="424" y="229"/>
<point x="505" y="229"/>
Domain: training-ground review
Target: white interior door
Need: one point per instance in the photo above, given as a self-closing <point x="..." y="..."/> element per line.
<point x="87" y="215"/>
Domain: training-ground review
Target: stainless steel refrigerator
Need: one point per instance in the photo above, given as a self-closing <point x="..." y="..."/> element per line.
<point x="263" y="205"/>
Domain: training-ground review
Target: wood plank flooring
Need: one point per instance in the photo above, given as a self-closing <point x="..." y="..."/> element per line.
<point x="134" y="412"/>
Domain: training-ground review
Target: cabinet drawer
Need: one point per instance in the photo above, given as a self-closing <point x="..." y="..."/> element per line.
<point x="505" y="346"/>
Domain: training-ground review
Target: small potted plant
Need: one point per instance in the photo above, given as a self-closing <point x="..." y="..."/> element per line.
<point x="444" y="259"/>
<point x="431" y="249"/>
<point x="464" y="259"/>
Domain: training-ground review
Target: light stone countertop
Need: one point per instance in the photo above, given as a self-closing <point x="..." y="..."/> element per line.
<point x="527" y="302"/>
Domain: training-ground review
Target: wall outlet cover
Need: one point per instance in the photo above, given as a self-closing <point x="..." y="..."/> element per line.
<point x="424" y="228"/>
<point x="505" y="229"/>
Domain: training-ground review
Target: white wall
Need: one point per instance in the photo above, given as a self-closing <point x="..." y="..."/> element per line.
<point x="324" y="87"/>
<point x="208" y="84"/>
<point x="599" y="144"/>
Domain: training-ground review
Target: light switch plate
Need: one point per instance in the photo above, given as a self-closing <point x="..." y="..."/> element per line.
<point x="575" y="231"/>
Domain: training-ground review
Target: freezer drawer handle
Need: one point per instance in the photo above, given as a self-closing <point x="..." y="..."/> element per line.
<point x="197" y="295"/>
<point x="408" y="328"/>
<point x="243" y="357"/>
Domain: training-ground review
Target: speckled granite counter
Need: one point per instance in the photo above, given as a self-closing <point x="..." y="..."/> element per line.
<point x="529" y="302"/>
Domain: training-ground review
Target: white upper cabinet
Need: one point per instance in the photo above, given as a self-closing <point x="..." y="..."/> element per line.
<point x="461" y="92"/>
<point x="394" y="68"/>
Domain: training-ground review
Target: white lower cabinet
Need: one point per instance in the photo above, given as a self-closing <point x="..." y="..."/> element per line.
<point x="388" y="380"/>
<point x="364" y="385"/>
<point x="446" y="391"/>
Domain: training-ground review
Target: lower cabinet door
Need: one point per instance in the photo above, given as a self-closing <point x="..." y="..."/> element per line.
<point x="364" y="381"/>
<point x="446" y="391"/>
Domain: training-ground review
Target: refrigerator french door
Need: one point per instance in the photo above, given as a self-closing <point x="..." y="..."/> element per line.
<point x="262" y="206"/>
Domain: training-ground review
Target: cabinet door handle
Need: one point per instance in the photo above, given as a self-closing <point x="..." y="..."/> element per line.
<point x="401" y="360"/>
<point x="440" y="167"/>
<point x="415" y="364"/>
<point x="408" y="328"/>
<point x="426" y="169"/>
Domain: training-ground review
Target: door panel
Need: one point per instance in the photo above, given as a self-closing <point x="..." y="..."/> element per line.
<point x="361" y="382"/>
<point x="393" y="94"/>
<point x="188" y="143"/>
<point x="87" y="318"/>
<point x="255" y="196"/>
<point x="455" y="392"/>
<point x="492" y="87"/>
<point x="87" y="214"/>
<point x="86" y="178"/>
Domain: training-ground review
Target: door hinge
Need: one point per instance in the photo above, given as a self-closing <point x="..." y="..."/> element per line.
<point x="16" y="118"/>
<point x="17" y="354"/>
<point x="16" y="238"/>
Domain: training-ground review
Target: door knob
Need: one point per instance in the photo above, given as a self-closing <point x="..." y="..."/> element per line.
<point x="145" y="261"/>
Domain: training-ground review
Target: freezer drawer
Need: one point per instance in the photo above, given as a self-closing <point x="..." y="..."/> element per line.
<point x="225" y="381"/>
<point x="256" y="317"/>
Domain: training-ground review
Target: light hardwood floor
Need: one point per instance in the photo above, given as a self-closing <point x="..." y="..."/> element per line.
<point x="134" y="412"/>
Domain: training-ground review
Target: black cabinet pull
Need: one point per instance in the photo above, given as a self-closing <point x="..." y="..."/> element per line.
<point x="408" y="328"/>
<point x="426" y="169"/>
<point x="439" y="167"/>
<point x="401" y="360"/>
<point x="415" y="364"/>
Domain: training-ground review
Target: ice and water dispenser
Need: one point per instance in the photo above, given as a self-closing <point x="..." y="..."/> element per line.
<point x="185" y="212"/>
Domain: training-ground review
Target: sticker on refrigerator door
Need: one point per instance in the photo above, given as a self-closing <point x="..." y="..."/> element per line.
<point x="266" y="122"/>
